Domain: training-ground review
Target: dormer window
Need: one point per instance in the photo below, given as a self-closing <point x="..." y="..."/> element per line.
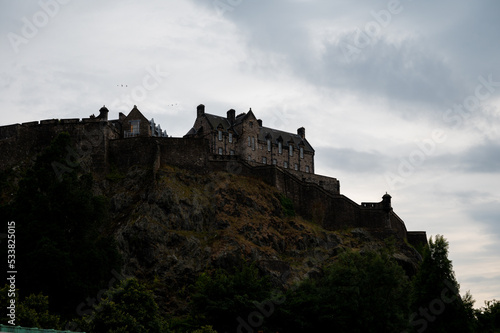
<point x="230" y="137"/>
<point x="301" y="152"/>
<point x="290" y="150"/>
<point x="268" y="145"/>
<point x="280" y="147"/>
<point x="220" y="135"/>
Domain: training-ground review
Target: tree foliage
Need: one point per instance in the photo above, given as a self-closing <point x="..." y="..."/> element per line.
<point x="62" y="249"/>
<point x="220" y="298"/>
<point x="359" y="293"/>
<point x="488" y="317"/>
<point x="128" y="308"/>
<point x="32" y="311"/>
<point x="436" y="304"/>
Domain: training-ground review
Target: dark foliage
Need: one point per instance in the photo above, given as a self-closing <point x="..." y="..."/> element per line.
<point x="359" y="293"/>
<point x="62" y="249"/>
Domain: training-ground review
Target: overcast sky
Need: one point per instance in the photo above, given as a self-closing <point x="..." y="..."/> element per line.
<point x="402" y="97"/>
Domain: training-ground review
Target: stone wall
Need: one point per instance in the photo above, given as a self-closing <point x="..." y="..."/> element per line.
<point x="21" y="143"/>
<point x="99" y="147"/>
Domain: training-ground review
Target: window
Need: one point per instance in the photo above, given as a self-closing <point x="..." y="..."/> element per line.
<point x="134" y="127"/>
<point x="264" y="160"/>
<point x="220" y="151"/>
<point x="249" y="142"/>
<point x="280" y="147"/>
<point x="249" y="158"/>
<point x="220" y="135"/>
<point x="268" y="145"/>
<point x="251" y="124"/>
<point x="307" y="168"/>
<point x="231" y="152"/>
<point x="253" y="143"/>
<point x="296" y="167"/>
<point x="290" y="150"/>
<point x="230" y="137"/>
<point x="285" y="164"/>
<point x="301" y="152"/>
<point x="274" y="161"/>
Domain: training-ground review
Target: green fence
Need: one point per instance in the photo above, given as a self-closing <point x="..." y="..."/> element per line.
<point x="19" y="329"/>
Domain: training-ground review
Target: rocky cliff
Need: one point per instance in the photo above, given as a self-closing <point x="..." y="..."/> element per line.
<point x="173" y="224"/>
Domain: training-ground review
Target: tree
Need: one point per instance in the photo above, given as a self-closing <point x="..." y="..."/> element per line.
<point x="358" y="293"/>
<point x="65" y="253"/>
<point x="489" y="317"/>
<point x="128" y="308"/>
<point x="32" y="311"/>
<point x="223" y="300"/>
<point x="436" y="305"/>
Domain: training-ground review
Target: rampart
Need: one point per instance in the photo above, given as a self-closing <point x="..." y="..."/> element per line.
<point x="20" y="143"/>
<point x="100" y="150"/>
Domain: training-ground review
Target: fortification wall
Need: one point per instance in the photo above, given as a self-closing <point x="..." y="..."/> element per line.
<point x="330" y="210"/>
<point x="99" y="147"/>
<point x="21" y="143"/>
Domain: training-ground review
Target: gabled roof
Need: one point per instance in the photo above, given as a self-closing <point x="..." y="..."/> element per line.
<point x="135" y="114"/>
<point x="285" y="136"/>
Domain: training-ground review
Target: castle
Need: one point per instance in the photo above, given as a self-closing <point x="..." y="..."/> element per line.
<point x="238" y="144"/>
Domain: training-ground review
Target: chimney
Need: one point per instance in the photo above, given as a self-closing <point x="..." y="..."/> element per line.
<point x="231" y="115"/>
<point x="302" y="132"/>
<point x="200" y="110"/>
<point x="260" y="122"/>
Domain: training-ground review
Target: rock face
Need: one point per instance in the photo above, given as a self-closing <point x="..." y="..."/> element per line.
<point x="173" y="224"/>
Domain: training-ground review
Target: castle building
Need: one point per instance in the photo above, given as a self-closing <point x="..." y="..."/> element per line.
<point x="238" y="144"/>
<point x="246" y="137"/>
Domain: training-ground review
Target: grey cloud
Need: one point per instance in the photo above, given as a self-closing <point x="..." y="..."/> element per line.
<point x="487" y="214"/>
<point x="351" y="160"/>
<point x="483" y="158"/>
<point x="480" y="158"/>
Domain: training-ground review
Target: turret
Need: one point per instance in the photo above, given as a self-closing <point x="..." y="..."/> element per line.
<point x="103" y="113"/>
<point x="386" y="202"/>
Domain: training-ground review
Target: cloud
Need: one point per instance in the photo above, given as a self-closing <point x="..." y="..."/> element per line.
<point x="350" y="160"/>
<point x="487" y="214"/>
